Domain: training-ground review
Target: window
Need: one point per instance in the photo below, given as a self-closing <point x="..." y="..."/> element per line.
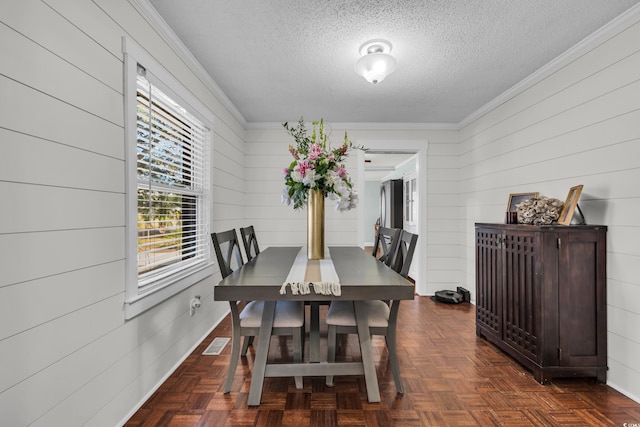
<point x="167" y="186"/>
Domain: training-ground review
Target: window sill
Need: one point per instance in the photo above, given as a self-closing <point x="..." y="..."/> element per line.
<point x="141" y="303"/>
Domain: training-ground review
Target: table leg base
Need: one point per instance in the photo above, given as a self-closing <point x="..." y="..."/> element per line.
<point x="313" y="369"/>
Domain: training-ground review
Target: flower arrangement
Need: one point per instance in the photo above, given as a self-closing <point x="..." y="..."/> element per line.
<point x="317" y="166"/>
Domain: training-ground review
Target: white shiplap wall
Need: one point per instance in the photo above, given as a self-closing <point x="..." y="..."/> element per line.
<point x="67" y="356"/>
<point x="578" y="125"/>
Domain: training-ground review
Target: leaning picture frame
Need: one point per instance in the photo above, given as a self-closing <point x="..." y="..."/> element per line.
<point x="515" y="198"/>
<point x="570" y="205"/>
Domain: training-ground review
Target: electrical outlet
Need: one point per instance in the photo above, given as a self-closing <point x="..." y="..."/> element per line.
<point x="193" y="304"/>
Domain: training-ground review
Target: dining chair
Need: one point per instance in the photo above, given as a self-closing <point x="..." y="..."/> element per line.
<point x="385" y="243"/>
<point x="289" y="315"/>
<point x="251" y="248"/>
<point x="249" y="240"/>
<point x="406" y="246"/>
<point x="382" y="316"/>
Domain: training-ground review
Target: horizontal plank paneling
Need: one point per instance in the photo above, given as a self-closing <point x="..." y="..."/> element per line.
<point x="227" y="195"/>
<point x="626" y="351"/>
<point x="624" y="379"/>
<point x="279" y="159"/>
<point x="53" y="208"/>
<point x="623" y="267"/>
<point x="258" y="199"/>
<point x="557" y="168"/>
<point x="223" y="212"/>
<point x="444" y="251"/>
<point x="58" y="121"/>
<point x="623" y="295"/>
<point x="67" y="41"/>
<point x="229" y="178"/>
<point x="434" y="186"/>
<point x="227" y="158"/>
<point x="28" y="352"/>
<point x="617" y="323"/>
<point x="178" y="337"/>
<point x="623" y="239"/>
<point x="80" y="289"/>
<point x="91" y="21"/>
<point x="56" y="252"/>
<point x="573" y="143"/>
<point x="541" y="148"/>
<point x="57" y="165"/>
<point x="23" y="60"/>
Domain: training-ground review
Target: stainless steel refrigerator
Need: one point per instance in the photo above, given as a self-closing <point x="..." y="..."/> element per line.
<point x="391" y="203"/>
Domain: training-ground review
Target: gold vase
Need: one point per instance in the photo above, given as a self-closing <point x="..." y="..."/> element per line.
<point x="315" y="225"/>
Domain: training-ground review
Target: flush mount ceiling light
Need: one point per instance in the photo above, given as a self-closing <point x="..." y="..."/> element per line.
<point x="376" y="63"/>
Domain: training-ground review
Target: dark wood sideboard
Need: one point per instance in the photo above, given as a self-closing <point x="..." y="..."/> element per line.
<point x="541" y="296"/>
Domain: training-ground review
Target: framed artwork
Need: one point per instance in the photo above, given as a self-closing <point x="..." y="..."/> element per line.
<point x="570" y="205"/>
<point x="515" y="198"/>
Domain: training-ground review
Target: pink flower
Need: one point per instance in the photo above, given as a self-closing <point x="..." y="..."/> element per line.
<point x="341" y="172"/>
<point x="314" y="152"/>
<point x="303" y="167"/>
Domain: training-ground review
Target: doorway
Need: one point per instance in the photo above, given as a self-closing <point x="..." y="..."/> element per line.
<point x="409" y="148"/>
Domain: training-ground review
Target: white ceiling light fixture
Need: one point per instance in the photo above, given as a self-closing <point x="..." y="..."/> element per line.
<point x="376" y="63"/>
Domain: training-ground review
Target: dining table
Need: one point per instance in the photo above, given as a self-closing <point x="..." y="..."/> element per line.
<point x="361" y="277"/>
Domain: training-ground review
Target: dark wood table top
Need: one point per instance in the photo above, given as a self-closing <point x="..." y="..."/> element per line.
<point x="362" y="277"/>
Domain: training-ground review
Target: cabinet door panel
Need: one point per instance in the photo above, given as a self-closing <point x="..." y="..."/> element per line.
<point x="488" y="280"/>
<point x="521" y="294"/>
<point x="579" y="300"/>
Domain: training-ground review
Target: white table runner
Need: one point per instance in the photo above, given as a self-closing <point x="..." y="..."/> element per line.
<point x="312" y="273"/>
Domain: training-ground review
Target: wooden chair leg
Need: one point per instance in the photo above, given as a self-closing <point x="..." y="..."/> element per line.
<point x="297" y="353"/>
<point x="246" y="342"/>
<point x="331" y="353"/>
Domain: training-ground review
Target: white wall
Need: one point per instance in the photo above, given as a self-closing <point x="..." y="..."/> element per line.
<point x="578" y="125"/>
<point x="67" y="356"/>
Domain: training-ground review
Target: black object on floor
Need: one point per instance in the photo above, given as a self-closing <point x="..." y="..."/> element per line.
<point x="449" y="297"/>
<point x="453" y="297"/>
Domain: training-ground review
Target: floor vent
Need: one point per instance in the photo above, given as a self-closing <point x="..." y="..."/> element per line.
<point x="216" y="346"/>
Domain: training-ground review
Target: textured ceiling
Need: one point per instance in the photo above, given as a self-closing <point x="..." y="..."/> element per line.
<point x="277" y="60"/>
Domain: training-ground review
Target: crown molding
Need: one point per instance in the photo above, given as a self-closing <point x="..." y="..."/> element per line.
<point x="151" y="15"/>
<point x="616" y="26"/>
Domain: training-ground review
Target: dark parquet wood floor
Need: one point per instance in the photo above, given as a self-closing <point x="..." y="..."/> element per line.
<point x="451" y="378"/>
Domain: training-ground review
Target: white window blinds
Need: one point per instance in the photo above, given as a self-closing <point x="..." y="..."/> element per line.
<point x="172" y="169"/>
